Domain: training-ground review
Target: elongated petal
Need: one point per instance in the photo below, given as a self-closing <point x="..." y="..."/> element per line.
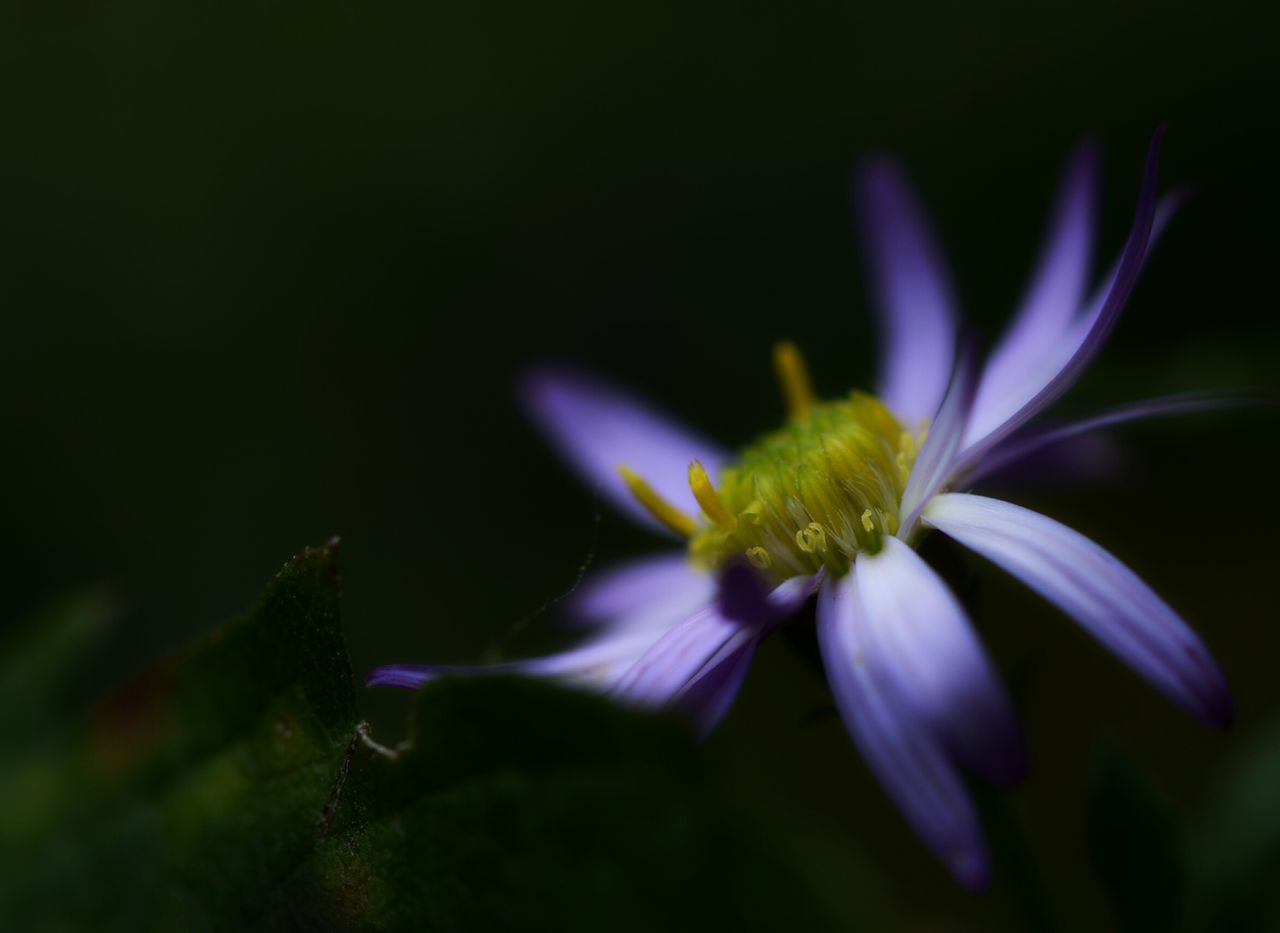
<point x="936" y="461"/>
<point x="594" y="665"/>
<point x="996" y="417"/>
<point x="679" y="656"/>
<point x="1096" y="590"/>
<point x="652" y="591"/>
<point x="597" y="428"/>
<point x="912" y="293"/>
<point x="713" y="643"/>
<point x="1001" y="394"/>
<point x="901" y="750"/>
<point x="929" y="649"/>
<point x="1030" y="440"/>
<point x="1057" y="290"/>
<point x="707" y="697"/>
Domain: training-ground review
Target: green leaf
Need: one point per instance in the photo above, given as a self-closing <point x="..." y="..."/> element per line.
<point x="236" y="788"/>
<point x="1135" y="846"/>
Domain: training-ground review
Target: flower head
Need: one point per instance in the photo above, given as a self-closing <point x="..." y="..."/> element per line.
<point x="834" y="501"/>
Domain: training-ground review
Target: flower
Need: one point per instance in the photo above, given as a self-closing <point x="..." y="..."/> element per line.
<point x="834" y="503"/>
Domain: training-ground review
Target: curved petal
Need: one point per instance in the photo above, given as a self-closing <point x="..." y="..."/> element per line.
<point x="597" y="428"/>
<point x="707" y="697"/>
<point x="1057" y="289"/>
<point x="1030" y="441"/>
<point x="1096" y="590"/>
<point x="901" y="751"/>
<point x="594" y="665"/>
<point x="995" y="417"/>
<point x="929" y="649"/>
<point x="936" y="461"/>
<point x="912" y="293"/>
<point x="649" y="592"/>
<point x="679" y="656"/>
<point x="713" y="644"/>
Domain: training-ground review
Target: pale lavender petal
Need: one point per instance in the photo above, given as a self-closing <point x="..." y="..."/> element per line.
<point x="901" y="750"/>
<point x="652" y="591"/>
<point x="1096" y="590"/>
<point x="678" y="656"/>
<point x="1001" y="397"/>
<point x="928" y="647"/>
<point x="743" y="614"/>
<point x="1166" y="208"/>
<point x="935" y="462"/>
<point x="708" y="696"/>
<point x="596" y="664"/>
<point x="913" y="296"/>
<point x="996" y="418"/>
<point x="597" y="428"/>
<point x="1057" y="291"/>
<point x="1031" y="441"/>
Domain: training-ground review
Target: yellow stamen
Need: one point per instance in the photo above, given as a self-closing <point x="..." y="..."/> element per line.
<point x="867" y="524"/>
<point x="759" y="557"/>
<point x="658" y="507"/>
<point x="811" y="539"/>
<point x="793" y="377"/>
<point x="709" y="499"/>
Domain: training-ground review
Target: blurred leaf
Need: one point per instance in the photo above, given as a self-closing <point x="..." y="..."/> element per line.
<point x="1135" y="847"/>
<point x="236" y="788"/>
<point x="1236" y="870"/>
<point x="40" y="662"/>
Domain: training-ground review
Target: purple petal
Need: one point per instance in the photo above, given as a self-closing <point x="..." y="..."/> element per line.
<point x="913" y="297"/>
<point x="678" y="656"/>
<point x="708" y="696"/>
<point x="1096" y="590"/>
<point x="595" y="665"/>
<point x="652" y="591"/>
<point x="1031" y="441"/>
<point x="597" y="428"/>
<point x="934" y="464"/>
<point x="711" y="642"/>
<point x="921" y="633"/>
<point x="1034" y="339"/>
<point x="745" y="597"/>
<point x="995" y="418"/>
<point x="903" y="753"/>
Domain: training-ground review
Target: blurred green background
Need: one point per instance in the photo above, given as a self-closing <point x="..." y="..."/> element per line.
<point x="270" y="274"/>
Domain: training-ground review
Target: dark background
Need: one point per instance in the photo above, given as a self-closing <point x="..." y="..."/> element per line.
<point x="269" y="274"/>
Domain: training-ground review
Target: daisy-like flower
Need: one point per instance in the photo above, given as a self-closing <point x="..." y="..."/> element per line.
<point x="834" y="503"/>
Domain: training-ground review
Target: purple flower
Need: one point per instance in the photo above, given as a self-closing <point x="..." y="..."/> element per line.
<point x="834" y="503"/>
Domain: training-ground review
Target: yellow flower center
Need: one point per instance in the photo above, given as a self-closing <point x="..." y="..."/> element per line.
<point x="810" y="495"/>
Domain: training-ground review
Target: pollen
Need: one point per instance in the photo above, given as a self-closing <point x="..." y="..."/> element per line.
<point x="814" y="493"/>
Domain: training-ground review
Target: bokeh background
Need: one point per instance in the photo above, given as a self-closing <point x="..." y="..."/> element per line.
<point x="270" y="274"/>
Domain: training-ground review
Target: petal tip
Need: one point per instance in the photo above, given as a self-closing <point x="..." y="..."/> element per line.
<point x="1219" y="710"/>
<point x="972" y="869"/>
